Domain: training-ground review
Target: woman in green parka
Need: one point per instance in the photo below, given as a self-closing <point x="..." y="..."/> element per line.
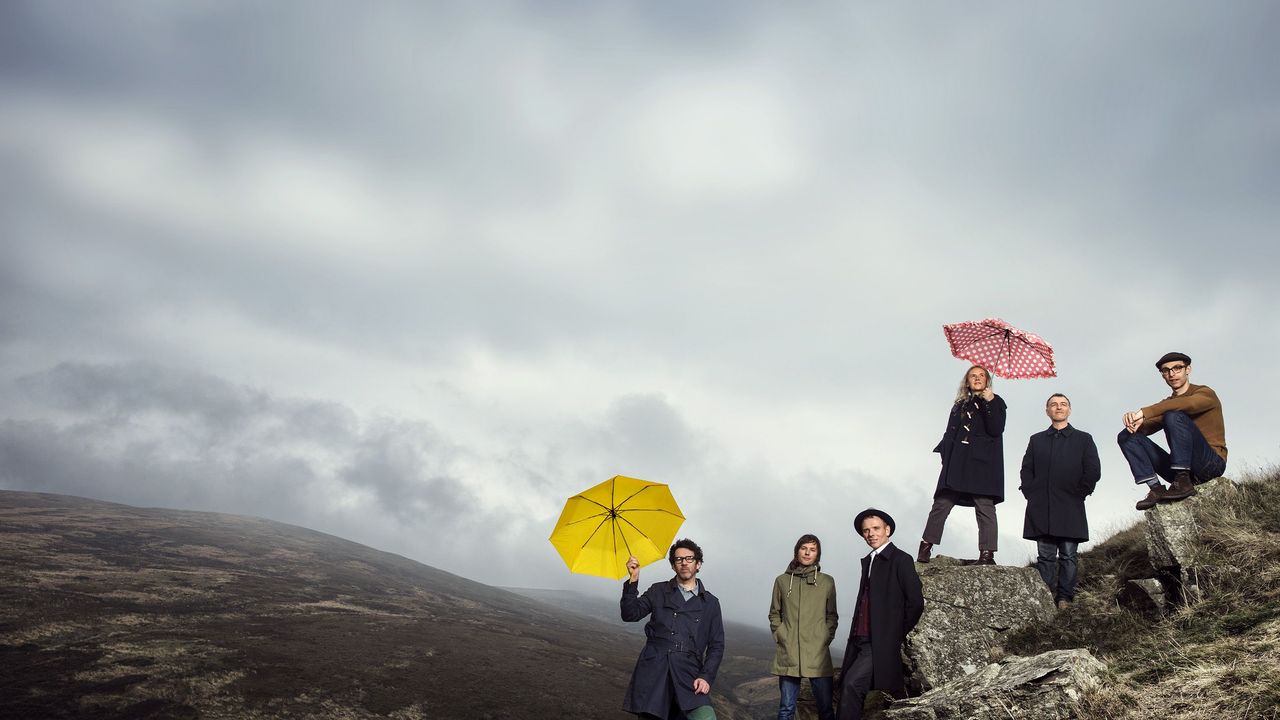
<point x="803" y="619"/>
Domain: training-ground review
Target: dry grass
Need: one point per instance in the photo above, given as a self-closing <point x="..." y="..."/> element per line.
<point x="1215" y="659"/>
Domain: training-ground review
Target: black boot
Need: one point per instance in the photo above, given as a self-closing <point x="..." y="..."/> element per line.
<point x="986" y="557"/>
<point x="923" y="555"/>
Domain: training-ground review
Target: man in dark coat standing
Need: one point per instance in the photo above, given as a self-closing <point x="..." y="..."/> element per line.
<point x="1059" y="470"/>
<point x="890" y="602"/>
<point x="684" y="640"/>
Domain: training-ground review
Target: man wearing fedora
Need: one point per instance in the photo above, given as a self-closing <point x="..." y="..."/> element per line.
<point x="890" y="602"/>
<point x="1191" y="419"/>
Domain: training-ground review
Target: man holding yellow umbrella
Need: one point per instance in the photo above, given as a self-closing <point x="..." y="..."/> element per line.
<point x="684" y="640"/>
<point x="612" y="529"/>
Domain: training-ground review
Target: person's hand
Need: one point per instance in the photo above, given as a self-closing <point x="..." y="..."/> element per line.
<point x="701" y="687"/>
<point x="1133" y="420"/>
<point x="633" y="568"/>
<point x="987" y="394"/>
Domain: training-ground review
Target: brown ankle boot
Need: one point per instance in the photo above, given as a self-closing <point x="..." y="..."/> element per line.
<point x="923" y="555"/>
<point x="1154" y="495"/>
<point x="1181" y="488"/>
<point x="986" y="557"/>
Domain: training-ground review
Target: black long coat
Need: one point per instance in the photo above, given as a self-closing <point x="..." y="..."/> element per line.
<point x="896" y="604"/>
<point x="683" y="641"/>
<point x="972" y="451"/>
<point x="1059" y="470"/>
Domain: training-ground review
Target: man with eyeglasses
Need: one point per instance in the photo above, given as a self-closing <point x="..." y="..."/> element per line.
<point x="1191" y="419"/>
<point x="684" y="640"/>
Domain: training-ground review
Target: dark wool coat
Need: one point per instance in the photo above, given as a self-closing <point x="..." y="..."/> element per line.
<point x="1059" y="469"/>
<point x="972" y="451"/>
<point x="895" y="604"/>
<point x="683" y="641"/>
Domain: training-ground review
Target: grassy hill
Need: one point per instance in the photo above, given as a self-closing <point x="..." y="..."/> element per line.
<point x="111" y="611"/>
<point x="1216" y="659"/>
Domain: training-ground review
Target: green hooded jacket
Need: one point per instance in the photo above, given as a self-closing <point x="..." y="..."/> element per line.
<point x="803" y="619"/>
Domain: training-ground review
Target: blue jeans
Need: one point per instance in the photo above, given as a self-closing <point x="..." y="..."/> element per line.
<point x="789" y="687"/>
<point x="1056" y="561"/>
<point x="1188" y="450"/>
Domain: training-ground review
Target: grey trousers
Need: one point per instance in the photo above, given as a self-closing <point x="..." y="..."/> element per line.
<point x="983" y="506"/>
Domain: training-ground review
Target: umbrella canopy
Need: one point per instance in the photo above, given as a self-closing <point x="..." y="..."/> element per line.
<point x="1001" y="348"/>
<point x="601" y="527"/>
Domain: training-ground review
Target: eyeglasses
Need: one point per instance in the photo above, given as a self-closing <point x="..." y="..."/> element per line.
<point x="1172" y="369"/>
<point x="684" y="559"/>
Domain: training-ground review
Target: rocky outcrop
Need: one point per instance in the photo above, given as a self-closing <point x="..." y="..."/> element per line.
<point x="1172" y="534"/>
<point x="1044" y="687"/>
<point x="968" y="611"/>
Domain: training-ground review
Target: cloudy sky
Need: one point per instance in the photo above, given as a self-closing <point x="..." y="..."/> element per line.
<point x="412" y="274"/>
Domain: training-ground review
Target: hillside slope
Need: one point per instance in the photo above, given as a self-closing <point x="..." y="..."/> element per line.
<point x="108" y="610"/>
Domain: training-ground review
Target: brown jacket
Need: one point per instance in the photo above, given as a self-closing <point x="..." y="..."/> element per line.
<point x="1202" y="404"/>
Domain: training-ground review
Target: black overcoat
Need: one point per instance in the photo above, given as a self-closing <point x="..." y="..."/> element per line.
<point x="683" y="641"/>
<point x="896" y="603"/>
<point x="972" y="451"/>
<point x="1059" y="470"/>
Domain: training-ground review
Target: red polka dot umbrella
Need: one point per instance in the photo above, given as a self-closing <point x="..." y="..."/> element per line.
<point x="1001" y="348"/>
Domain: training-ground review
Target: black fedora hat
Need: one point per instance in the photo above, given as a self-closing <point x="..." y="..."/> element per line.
<point x="888" y="520"/>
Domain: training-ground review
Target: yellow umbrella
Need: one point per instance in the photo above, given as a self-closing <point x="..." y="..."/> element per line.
<point x="601" y="527"/>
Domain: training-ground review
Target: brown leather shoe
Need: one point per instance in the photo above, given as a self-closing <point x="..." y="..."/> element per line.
<point x="986" y="557"/>
<point x="1181" y="488"/>
<point x="923" y="555"/>
<point x="1154" y="495"/>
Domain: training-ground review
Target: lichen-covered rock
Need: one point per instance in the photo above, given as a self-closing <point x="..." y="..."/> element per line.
<point x="1045" y="687"/>
<point x="1172" y="529"/>
<point x="1145" y="597"/>
<point x="968" y="611"/>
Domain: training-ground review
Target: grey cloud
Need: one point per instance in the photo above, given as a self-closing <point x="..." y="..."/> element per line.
<point x="147" y="434"/>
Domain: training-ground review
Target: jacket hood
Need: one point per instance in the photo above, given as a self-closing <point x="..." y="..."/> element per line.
<point x="810" y="573"/>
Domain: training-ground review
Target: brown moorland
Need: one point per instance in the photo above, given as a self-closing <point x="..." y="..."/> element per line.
<point x="108" y="610"/>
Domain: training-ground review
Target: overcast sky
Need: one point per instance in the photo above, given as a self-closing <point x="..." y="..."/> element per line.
<point x="413" y="274"/>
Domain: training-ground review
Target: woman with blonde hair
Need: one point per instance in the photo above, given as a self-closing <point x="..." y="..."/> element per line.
<point x="972" y="475"/>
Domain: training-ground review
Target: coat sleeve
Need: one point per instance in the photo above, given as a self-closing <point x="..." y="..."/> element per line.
<point x="775" y="607"/>
<point x="947" y="436"/>
<point x="912" y="593"/>
<point x="715" y="648"/>
<point x="1092" y="467"/>
<point x="833" y="617"/>
<point x="995" y="413"/>
<point x="634" y="605"/>
<point x="1028" y="466"/>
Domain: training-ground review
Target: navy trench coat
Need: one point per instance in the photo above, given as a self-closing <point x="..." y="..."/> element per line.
<point x="1059" y="469"/>
<point x="972" y="451"/>
<point x="683" y="641"/>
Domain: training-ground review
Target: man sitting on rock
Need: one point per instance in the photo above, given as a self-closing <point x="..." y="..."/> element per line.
<point x="1192" y="422"/>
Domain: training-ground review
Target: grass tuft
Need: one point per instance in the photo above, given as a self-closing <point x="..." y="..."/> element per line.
<point x="1214" y="659"/>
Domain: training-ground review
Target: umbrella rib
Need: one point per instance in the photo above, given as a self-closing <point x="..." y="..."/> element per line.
<point x="593" y="532"/>
<point x="632" y="495"/>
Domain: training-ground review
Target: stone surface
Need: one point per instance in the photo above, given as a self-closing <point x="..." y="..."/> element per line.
<point x="968" y="611"/>
<point x="1172" y="533"/>
<point x="1171" y="528"/>
<point x="1145" y="597"/>
<point x="1044" y="687"/>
